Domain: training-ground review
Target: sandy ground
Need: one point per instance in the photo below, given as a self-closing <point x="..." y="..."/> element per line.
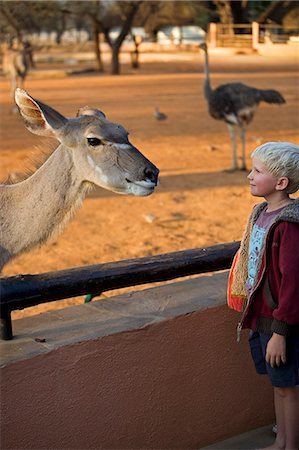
<point x="198" y="203"/>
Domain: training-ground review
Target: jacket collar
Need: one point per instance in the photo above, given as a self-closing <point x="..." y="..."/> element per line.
<point x="289" y="214"/>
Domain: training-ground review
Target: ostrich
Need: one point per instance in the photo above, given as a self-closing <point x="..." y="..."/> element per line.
<point x="159" y="115"/>
<point x="235" y="103"/>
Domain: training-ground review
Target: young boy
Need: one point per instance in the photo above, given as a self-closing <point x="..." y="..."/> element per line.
<point x="264" y="281"/>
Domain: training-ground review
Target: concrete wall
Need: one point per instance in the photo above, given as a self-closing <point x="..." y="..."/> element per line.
<point x="157" y="369"/>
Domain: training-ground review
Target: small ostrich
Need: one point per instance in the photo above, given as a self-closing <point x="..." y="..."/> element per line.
<point x="235" y="103"/>
<point x="159" y="115"/>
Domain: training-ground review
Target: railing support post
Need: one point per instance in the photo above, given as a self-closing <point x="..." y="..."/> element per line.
<point x="5" y="325"/>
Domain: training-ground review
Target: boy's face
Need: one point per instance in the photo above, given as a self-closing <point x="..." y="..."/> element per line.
<point x="262" y="182"/>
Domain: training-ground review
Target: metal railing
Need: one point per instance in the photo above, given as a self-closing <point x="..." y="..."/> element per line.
<point x="277" y="34"/>
<point x="230" y="35"/>
<point x="246" y="35"/>
<point x="23" y="291"/>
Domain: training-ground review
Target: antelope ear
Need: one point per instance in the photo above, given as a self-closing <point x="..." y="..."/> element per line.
<point x="87" y="111"/>
<point x="38" y="117"/>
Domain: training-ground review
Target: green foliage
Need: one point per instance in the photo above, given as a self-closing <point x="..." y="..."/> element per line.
<point x="256" y="8"/>
<point x="21" y="17"/>
<point x="180" y="13"/>
<point x="292" y="18"/>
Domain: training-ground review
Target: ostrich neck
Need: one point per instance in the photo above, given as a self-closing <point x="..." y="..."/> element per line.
<point x="207" y="84"/>
<point x="39" y="206"/>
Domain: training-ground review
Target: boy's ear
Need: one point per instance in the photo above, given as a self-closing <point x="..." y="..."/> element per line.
<point x="282" y="183"/>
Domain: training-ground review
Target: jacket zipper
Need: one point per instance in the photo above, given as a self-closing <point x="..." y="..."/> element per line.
<point x="240" y="324"/>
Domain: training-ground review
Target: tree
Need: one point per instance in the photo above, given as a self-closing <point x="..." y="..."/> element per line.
<point x="245" y="11"/>
<point x="169" y="13"/>
<point x="277" y="11"/>
<point x="104" y="16"/>
<point x="124" y="13"/>
<point x="225" y="11"/>
<point x="92" y="11"/>
<point x="19" y="18"/>
<point x="10" y="24"/>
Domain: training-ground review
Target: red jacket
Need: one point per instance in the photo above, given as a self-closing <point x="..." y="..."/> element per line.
<point x="273" y="305"/>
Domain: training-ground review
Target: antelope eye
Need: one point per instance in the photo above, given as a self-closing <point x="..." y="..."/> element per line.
<point x="94" y="142"/>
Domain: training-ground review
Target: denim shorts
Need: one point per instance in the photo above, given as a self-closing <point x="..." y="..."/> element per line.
<point x="285" y="375"/>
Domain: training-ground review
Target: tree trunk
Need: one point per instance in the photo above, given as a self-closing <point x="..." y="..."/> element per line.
<point x="226" y="15"/>
<point x="97" y="46"/>
<point x="224" y="11"/>
<point x="115" y="47"/>
<point x="240" y="11"/>
<point x="61" y="28"/>
<point x="135" y="53"/>
<point x="115" y="66"/>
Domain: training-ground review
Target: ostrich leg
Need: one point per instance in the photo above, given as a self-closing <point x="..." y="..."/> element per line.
<point x="243" y="140"/>
<point x="232" y="134"/>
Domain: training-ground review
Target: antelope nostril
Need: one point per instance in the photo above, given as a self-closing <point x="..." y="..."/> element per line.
<point x="151" y="174"/>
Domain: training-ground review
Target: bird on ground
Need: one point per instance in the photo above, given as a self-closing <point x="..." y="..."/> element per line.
<point x="159" y="115"/>
<point x="235" y="104"/>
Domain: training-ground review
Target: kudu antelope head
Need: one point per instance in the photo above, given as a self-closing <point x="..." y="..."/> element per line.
<point x="92" y="151"/>
<point x="101" y="151"/>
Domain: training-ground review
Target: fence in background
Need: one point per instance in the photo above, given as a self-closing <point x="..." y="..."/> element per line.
<point x="251" y="35"/>
<point x="23" y="291"/>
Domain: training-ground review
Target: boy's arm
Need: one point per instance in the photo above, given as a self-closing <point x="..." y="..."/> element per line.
<point x="287" y="312"/>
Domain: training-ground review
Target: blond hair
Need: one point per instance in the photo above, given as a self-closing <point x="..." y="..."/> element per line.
<point x="282" y="160"/>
